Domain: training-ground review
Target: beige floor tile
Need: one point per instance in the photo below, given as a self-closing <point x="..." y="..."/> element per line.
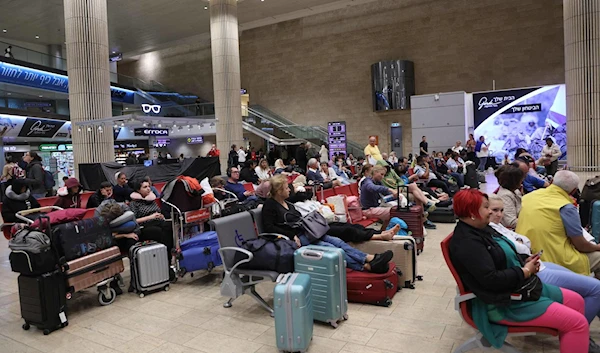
<point x="147" y="324"/>
<point x="268" y="349"/>
<point x="212" y="342"/>
<point x="357" y="348"/>
<point x="408" y="326"/>
<point x="360" y="318"/>
<point x="162" y="309"/>
<point x="141" y="344"/>
<point x="325" y="345"/>
<point x="9" y="346"/>
<point x="351" y="333"/>
<point x="404" y="343"/>
<point x="82" y="345"/>
<point x="426" y="301"/>
<point x="323" y="330"/>
<point x="180" y="334"/>
<point x="195" y="318"/>
<point x="234" y="327"/>
<point x="268" y="337"/>
<point x="174" y="348"/>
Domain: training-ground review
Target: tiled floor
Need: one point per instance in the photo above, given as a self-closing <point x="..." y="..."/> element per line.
<point x="190" y="318"/>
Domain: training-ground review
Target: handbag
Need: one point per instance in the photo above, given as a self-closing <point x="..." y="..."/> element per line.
<point x="531" y="290"/>
<point x="314" y="225"/>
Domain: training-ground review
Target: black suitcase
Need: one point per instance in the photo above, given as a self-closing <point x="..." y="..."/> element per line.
<point x="43" y="301"/>
<point x="471" y="178"/>
<point x="80" y="238"/>
<point x="442" y="215"/>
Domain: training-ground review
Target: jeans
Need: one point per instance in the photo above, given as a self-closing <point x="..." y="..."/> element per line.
<point x="587" y="287"/>
<point x="568" y="319"/>
<point x="355" y="259"/>
<point x="460" y="179"/>
<point x="482" y="163"/>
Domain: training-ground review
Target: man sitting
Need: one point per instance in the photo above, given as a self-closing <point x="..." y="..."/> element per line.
<point x="423" y="171"/>
<point x="370" y="195"/>
<point x="551" y="221"/>
<point x="531" y="182"/>
<point x="314" y="174"/>
<point x="238" y="189"/>
<point x="453" y="165"/>
<point x="104" y="193"/>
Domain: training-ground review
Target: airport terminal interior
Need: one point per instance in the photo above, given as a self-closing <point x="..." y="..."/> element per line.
<point x="193" y="176"/>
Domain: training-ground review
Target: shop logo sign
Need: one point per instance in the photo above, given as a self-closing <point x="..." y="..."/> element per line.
<point x="40" y="128"/>
<point x="151" y="132"/>
<point x="493" y="102"/>
<point x="154" y="108"/>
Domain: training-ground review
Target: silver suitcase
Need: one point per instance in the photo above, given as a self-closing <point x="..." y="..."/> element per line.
<point x="149" y="267"/>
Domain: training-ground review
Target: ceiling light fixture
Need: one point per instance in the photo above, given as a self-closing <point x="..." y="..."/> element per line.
<point x="89" y="129"/>
<point x="206" y="7"/>
<point x="145" y="125"/>
<point x="37" y="37"/>
<point x="159" y="124"/>
<point x="41" y="96"/>
<point x="4" y="31"/>
<point x="122" y="123"/>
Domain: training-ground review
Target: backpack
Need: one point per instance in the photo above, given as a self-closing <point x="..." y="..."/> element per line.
<point x="49" y="182"/>
<point x="31" y="252"/>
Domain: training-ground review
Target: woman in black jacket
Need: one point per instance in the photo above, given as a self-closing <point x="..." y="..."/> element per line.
<point x="248" y="174"/>
<point x="18" y="198"/>
<point x="490" y="267"/>
<point x="277" y="212"/>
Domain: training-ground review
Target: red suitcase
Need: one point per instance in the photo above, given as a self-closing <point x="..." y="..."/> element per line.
<point x="372" y="288"/>
<point x="414" y="219"/>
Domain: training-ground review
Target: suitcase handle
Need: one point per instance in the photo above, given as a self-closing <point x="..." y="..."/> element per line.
<point x="101" y="270"/>
<point x="311" y="254"/>
<point x="282" y="278"/>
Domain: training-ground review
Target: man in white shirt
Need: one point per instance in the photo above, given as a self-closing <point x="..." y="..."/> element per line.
<point x="422" y="170"/>
<point x="550" y="154"/>
<point x="458" y="147"/>
<point x="241" y="155"/>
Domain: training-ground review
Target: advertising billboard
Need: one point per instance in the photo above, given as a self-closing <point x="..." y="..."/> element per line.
<point x="521" y="118"/>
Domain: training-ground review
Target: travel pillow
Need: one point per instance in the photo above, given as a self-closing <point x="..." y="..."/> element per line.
<point x="127" y="227"/>
<point x="122" y="219"/>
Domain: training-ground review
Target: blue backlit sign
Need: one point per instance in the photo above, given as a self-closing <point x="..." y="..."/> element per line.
<point x="26" y="76"/>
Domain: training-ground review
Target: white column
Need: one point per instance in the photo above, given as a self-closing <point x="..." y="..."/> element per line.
<point x="226" y="75"/>
<point x="582" y="77"/>
<point x="86" y="31"/>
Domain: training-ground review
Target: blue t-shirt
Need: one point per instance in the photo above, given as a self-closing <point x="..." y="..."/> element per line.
<point x="478" y="146"/>
<point x="237" y="188"/>
<point x="532" y="183"/>
<point x="571" y="220"/>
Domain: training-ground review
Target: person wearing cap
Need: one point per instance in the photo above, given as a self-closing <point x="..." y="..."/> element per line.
<point x="69" y="196"/>
<point x="550" y="154"/>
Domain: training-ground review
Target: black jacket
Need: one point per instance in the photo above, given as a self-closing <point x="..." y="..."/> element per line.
<point x="301" y="157"/>
<point x="122" y="193"/>
<point x="95" y="200"/>
<point x="36" y="177"/>
<point x="14" y="203"/>
<point x="481" y="264"/>
<point x="274" y="217"/>
<point x="249" y="175"/>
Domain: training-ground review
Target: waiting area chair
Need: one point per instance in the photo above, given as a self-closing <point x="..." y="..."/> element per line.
<point x="231" y="232"/>
<point x="461" y="304"/>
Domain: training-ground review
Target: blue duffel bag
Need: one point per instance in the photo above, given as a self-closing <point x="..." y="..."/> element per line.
<point x="201" y="252"/>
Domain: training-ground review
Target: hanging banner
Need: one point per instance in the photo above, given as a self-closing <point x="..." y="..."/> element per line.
<point x="34" y="127"/>
<point x="521" y="118"/>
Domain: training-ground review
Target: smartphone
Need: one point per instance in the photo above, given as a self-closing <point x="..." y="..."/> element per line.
<point x="540" y="253"/>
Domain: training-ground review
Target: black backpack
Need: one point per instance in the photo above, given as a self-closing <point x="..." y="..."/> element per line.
<point x="471" y="177"/>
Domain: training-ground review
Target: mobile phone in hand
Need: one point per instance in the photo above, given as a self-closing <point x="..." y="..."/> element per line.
<point x="540" y="253"/>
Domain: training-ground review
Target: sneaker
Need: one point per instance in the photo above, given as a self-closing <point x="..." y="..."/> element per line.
<point x="593" y="347"/>
<point x="379" y="264"/>
<point x="429" y="225"/>
<point x="430" y="207"/>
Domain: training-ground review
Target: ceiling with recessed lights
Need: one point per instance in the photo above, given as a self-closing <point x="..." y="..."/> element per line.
<point x="138" y="26"/>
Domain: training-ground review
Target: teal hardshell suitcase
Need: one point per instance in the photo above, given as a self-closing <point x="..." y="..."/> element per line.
<point x="327" y="269"/>
<point x="293" y="312"/>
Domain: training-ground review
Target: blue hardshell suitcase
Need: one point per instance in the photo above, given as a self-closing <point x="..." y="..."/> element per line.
<point x="595" y="220"/>
<point x="293" y="312"/>
<point x="327" y="269"/>
<point x="200" y="252"/>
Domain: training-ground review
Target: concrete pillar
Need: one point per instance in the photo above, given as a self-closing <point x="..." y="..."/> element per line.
<point x="582" y="77"/>
<point x="226" y="75"/>
<point x="86" y="30"/>
<point x="56" y="53"/>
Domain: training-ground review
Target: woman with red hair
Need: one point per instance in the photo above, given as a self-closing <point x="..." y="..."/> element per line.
<point x="489" y="266"/>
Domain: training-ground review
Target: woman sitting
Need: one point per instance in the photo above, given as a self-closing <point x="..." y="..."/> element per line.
<point x="586" y="286"/>
<point x="18" y="198"/>
<point x="147" y="214"/>
<point x="510" y="179"/>
<point x="69" y="196"/>
<point x="277" y="213"/>
<point x="280" y="168"/>
<point x="262" y="171"/>
<point x="489" y="266"/>
<point x="248" y="173"/>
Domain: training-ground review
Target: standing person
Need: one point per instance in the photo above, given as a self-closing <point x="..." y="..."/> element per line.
<point x="311" y="151"/>
<point x="324" y="154"/>
<point x="233" y="159"/>
<point x="301" y="156"/>
<point x="481" y="150"/>
<point x="181" y="157"/>
<point x="36" y="175"/>
<point x="8" y="52"/>
<point x="423" y="146"/>
<point x="550" y="154"/>
<point x="253" y="154"/>
<point x="7" y="173"/>
<point x="121" y="190"/>
<point x="214" y="152"/>
<point x="69" y="196"/>
<point x="130" y="159"/>
<point x="242" y="156"/>
<point x="372" y="151"/>
<point x="470" y="147"/>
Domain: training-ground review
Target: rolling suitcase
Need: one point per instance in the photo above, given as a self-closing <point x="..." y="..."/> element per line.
<point x="443" y="215"/>
<point x="405" y="257"/>
<point x="80" y="238"/>
<point x="43" y="301"/>
<point x="372" y="288"/>
<point x="327" y="269"/>
<point x="413" y="216"/>
<point x="200" y="252"/>
<point x="471" y="177"/>
<point x="149" y="267"/>
<point x="595" y="219"/>
<point x="293" y="312"/>
<point x="96" y="269"/>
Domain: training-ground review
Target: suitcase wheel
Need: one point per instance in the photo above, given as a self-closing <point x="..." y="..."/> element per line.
<point x="166" y="288"/>
<point x="141" y="295"/>
<point x="387" y="302"/>
<point x="419" y="278"/>
<point x="26" y="326"/>
<point x="104" y="299"/>
<point x="345" y="317"/>
<point x="46" y="332"/>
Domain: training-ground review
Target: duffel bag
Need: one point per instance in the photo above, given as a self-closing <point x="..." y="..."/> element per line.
<point x="59" y="217"/>
<point x="31" y="253"/>
<point x="83" y="237"/>
<point x="591" y="189"/>
<point x="269" y="254"/>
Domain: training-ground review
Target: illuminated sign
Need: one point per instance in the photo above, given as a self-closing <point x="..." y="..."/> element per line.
<point x="154" y="108"/>
<point x="195" y="140"/>
<point x="142" y="131"/>
<point x="47" y="147"/>
<point x="161" y="143"/>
